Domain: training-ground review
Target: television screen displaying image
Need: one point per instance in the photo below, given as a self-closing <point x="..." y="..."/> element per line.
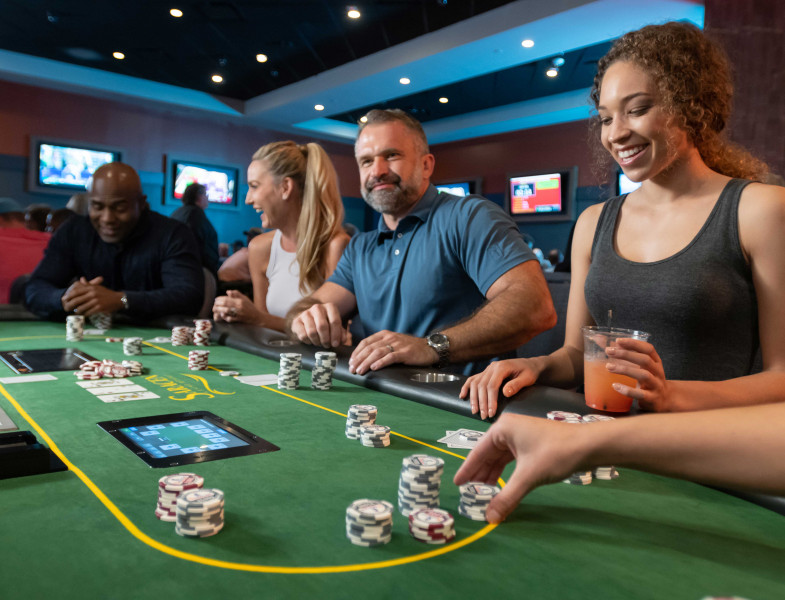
<point x="625" y="185"/>
<point x="542" y="196"/>
<point x="65" y="167"/>
<point x="460" y="188"/>
<point x="221" y="181"/>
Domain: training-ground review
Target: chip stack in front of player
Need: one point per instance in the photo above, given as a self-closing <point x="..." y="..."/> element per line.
<point x="132" y="346"/>
<point x="198" y="360"/>
<point x="322" y="373"/>
<point x="419" y="483"/>
<point x="289" y="371"/>
<point x="369" y="522"/>
<point x="375" y="436"/>
<point x="74" y="328"/>
<point x="200" y="513"/>
<point x="202" y="330"/>
<point x="359" y="416"/>
<point x="432" y="526"/>
<point x="169" y="489"/>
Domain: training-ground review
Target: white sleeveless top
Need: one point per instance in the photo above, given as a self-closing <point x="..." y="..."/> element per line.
<point x="283" y="275"/>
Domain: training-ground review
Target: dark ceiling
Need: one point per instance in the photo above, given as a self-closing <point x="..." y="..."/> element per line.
<point x="301" y="38"/>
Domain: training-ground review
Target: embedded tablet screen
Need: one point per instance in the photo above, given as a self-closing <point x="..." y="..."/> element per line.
<point x="181" y="437"/>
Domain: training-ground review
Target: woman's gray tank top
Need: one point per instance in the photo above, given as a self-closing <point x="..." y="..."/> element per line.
<point x="699" y="305"/>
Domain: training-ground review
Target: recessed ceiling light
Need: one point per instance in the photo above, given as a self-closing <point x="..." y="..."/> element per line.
<point x="527" y="43"/>
<point x="217" y="78"/>
<point x="552" y="72"/>
<point x="261" y="57"/>
<point x="319" y="107"/>
<point x="444" y="100"/>
<point x="176" y="12"/>
<point x="558" y="61"/>
<point x="405" y="80"/>
<point x="352" y="12"/>
<point x="118" y="55"/>
<point x="363" y="119"/>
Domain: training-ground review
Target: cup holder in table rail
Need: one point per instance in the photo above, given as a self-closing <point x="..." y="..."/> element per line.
<point x="434" y="377"/>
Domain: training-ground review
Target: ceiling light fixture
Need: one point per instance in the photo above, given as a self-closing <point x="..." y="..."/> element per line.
<point x="405" y="81"/>
<point x="444" y="100"/>
<point x="261" y="58"/>
<point x="527" y="43"/>
<point x="176" y="12"/>
<point x="217" y="78"/>
<point x="319" y="107"/>
<point x="118" y="55"/>
<point x="553" y="70"/>
<point x="352" y="12"/>
<point x="363" y="119"/>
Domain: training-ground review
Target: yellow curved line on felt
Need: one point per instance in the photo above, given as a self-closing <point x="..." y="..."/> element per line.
<point x="203" y="381"/>
<point x="143" y="537"/>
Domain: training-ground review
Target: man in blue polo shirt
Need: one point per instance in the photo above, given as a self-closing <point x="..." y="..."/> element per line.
<point x="443" y="279"/>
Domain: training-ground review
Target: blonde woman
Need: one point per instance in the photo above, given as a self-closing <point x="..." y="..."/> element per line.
<point x="295" y="190"/>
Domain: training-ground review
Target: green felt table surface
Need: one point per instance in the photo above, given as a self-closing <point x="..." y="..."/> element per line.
<point x="91" y="532"/>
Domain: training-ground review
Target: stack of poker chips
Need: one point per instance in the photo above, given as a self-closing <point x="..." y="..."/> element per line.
<point x="200" y="513"/>
<point x="322" y="374"/>
<point x="134" y="367"/>
<point x="289" y="370"/>
<point x="96" y="369"/>
<point x="182" y="336"/>
<point x="579" y="477"/>
<point x="606" y="473"/>
<point x="369" y="522"/>
<point x="202" y="332"/>
<point x="198" y="360"/>
<point x="375" y="436"/>
<point x="358" y="417"/>
<point x="132" y="346"/>
<point x="419" y="483"/>
<point x="475" y="498"/>
<point x="432" y="526"/>
<point x="74" y="328"/>
<point x="169" y="489"/>
<point x="102" y="321"/>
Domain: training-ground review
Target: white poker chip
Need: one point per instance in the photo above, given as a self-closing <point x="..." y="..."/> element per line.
<point x="230" y="373"/>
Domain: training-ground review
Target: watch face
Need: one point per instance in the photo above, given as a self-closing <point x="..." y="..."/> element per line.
<point x="438" y="339"/>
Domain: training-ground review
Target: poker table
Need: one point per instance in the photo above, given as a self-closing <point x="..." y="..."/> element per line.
<point x="90" y="531"/>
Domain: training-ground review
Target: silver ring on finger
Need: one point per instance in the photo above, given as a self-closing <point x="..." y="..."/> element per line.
<point x="390" y="348"/>
<point x="233" y="312"/>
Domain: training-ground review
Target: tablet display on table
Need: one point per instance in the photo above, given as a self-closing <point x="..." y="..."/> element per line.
<point x="43" y="361"/>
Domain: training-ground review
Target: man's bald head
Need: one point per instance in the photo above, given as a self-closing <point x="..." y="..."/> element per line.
<point x="116" y="201"/>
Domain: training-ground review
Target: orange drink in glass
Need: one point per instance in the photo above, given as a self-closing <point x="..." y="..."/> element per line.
<point x="597" y="379"/>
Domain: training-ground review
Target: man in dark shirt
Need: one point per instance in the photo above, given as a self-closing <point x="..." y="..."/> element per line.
<point x="122" y="257"/>
<point x="192" y="214"/>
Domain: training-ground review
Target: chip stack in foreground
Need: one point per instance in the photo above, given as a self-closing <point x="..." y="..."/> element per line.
<point x="102" y="321"/>
<point x="169" y="489"/>
<point x="419" y="483"/>
<point x="134" y="367"/>
<point x="475" y="498"/>
<point x="289" y="370"/>
<point x="359" y="416"/>
<point x="375" y="436"/>
<point x="579" y="477"/>
<point x="132" y="346"/>
<point x="202" y="331"/>
<point x="181" y="336"/>
<point x="200" y="513"/>
<point x="606" y="473"/>
<point x="369" y="522"/>
<point x="198" y="360"/>
<point x="322" y="374"/>
<point x="74" y="328"/>
<point x="432" y="526"/>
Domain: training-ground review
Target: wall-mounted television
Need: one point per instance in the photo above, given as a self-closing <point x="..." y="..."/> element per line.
<point x="542" y="196"/>
<point x="625" y="185"/>
<point x="461" y="187"/>
<point x="222" y="181"/>
<point x="65" y="166"/>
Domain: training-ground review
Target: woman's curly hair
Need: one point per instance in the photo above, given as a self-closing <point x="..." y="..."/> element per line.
<point x="693" y="77"/>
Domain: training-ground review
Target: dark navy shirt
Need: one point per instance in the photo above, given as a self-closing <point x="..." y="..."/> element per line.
<point x="435" y="268"/>
<point x="157" y="266"/>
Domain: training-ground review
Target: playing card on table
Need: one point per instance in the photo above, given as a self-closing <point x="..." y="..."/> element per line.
<point x="128" y="396"/>
<point x="463" y="438"/>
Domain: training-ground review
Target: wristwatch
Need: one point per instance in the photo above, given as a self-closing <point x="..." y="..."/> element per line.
<point x="124" y="300"/>
<point x="441" y="343"/>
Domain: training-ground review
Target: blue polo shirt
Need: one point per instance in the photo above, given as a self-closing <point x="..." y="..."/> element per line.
<point x="435" y="268"/>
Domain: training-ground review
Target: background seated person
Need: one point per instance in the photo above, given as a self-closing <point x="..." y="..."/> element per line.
<point x="192" y="214"/>
<point x="695" y="256"/>
<point x="295" y="189"/>
<point x="453" y="267"/>
<point x="21" y="249"/>
<point x="235" y="267"/>
<point x="123" y="257"/>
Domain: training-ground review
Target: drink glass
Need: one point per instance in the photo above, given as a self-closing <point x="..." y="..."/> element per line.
<point x="597" y="379"/>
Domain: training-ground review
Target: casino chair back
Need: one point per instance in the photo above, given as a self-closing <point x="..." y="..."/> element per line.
<point x="210" y="287"/>
<point x="553" y="339"/>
